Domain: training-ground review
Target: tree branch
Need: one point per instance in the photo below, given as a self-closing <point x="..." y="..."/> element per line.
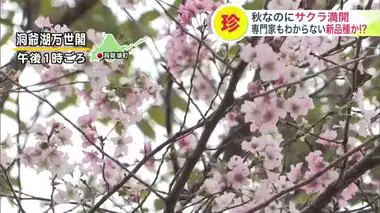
<point x="75" y="13"/>
<point x="210" y="125"/>
<point x="67" y="19"/>
<point x="12" y="190"/>
<point x="315" y="176"/>
<point x="369" y="162"/>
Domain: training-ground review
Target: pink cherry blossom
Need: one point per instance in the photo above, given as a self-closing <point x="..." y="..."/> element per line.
<point x="86" y="120"/>
<point x="62" y="136"/>
<point x="274" y="207"/>
<point x="121" y="143"/>
<point x="315" y="161"/>
<point x="214" y="185"/>
<point x="258" y="91"/>
<point x="40" y="132"/>
<point x="242" y="205"/>
<point x="97" y="74"/>
<point x="263" y="191"/>
<point x="52" y="73"/>
<point x="347" y="194"/>
<point x="186" y="13"/>
<point x="60" y="197"/>
<point x="95" y="37"/>
<point x="111" y="172"/>
<point x="92" y="159"/>
<point x="60" y="29"/>
<point x="237" y="177"/>
<point x="298" y="106"/>
<point x="135" y="189"/>
<point x="31" y="156"/>
<point x="248" y="53"/>
<point x="91" y="137"/>
<point x="269" y="118"/>
<point x="249" y="108"/>
<point x="351" y="144"/>
<point x="5" y="159"/>
<point x="231" y="119"/>
<point x="64" y="196"/>
<point x="187" y="143"/>
<point x="84" y="96"/>
<point x="253" y="88"/>
<point x="314" y="187"/>
<point x="236" y="161"/>
<point x="271" y="70"/>
<point x="327" y="178"/>
<point x="57" y="162"/>
<point x="64" y="89"/>
<point x="254" y="146"/>
<point x="295" y="173"/>
<point x="42" y="22"/>
<point x="150" y="164"/>
<point x="365" y="124"/>
<point x="282" y="183"/>
<point x="180" y="53"/>
<point x="268" y="61"/>
<point x="302" y="91"/>
<point x="327" y="137"/>
<point x="203" y="88"/>
<point x="272" y="157"/>
<point x="223" y="201"/>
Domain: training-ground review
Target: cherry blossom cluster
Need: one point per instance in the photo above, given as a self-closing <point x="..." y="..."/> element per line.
<point x="287" y="73"/>
<point x="120" y="101"/>
<point x="5" y="158"/>
<point x="263" y="113"/>
<point x="185" y="55"/>
<point x="46" y="154"/>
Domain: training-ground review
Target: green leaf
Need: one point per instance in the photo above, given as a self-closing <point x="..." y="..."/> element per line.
<point x="46" y="9"/>
<point x="157" y="113"/>
<point x="163" y="79"/>
<point x="123" y="192"/>
<point x="20" y="2"/>
<point x="302" y="197"/>
<point x="10" y="113"/>
<point x="255" y="5"/>
<point x="144" y="194"/>
<point x="9" y="30"/>
<point x="115" y="79"/>
<point x="233" y="51"/>
<point x="12" y="100"/>
<point x="131" y="32"/>
<point x="100" y="18"/>
<point x="8" y="22"/>
<point x="119" y="129"/>
<point x="146" y="129"/>
<point x="64" y="104"/>
<point x="104" y="121"/>
<point x="159" y="204"/>
<point x="149" y="16"/>
<point x="128" y="65"/>
<point x="375" y="172"/>
<point x="194" y="178"/>
<point x="295" y="152"/>
<point x="13" y="115"/>
<point x="178" y="102"/>
<point x="173" y="10"/>
<point x="315" y="114"/>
